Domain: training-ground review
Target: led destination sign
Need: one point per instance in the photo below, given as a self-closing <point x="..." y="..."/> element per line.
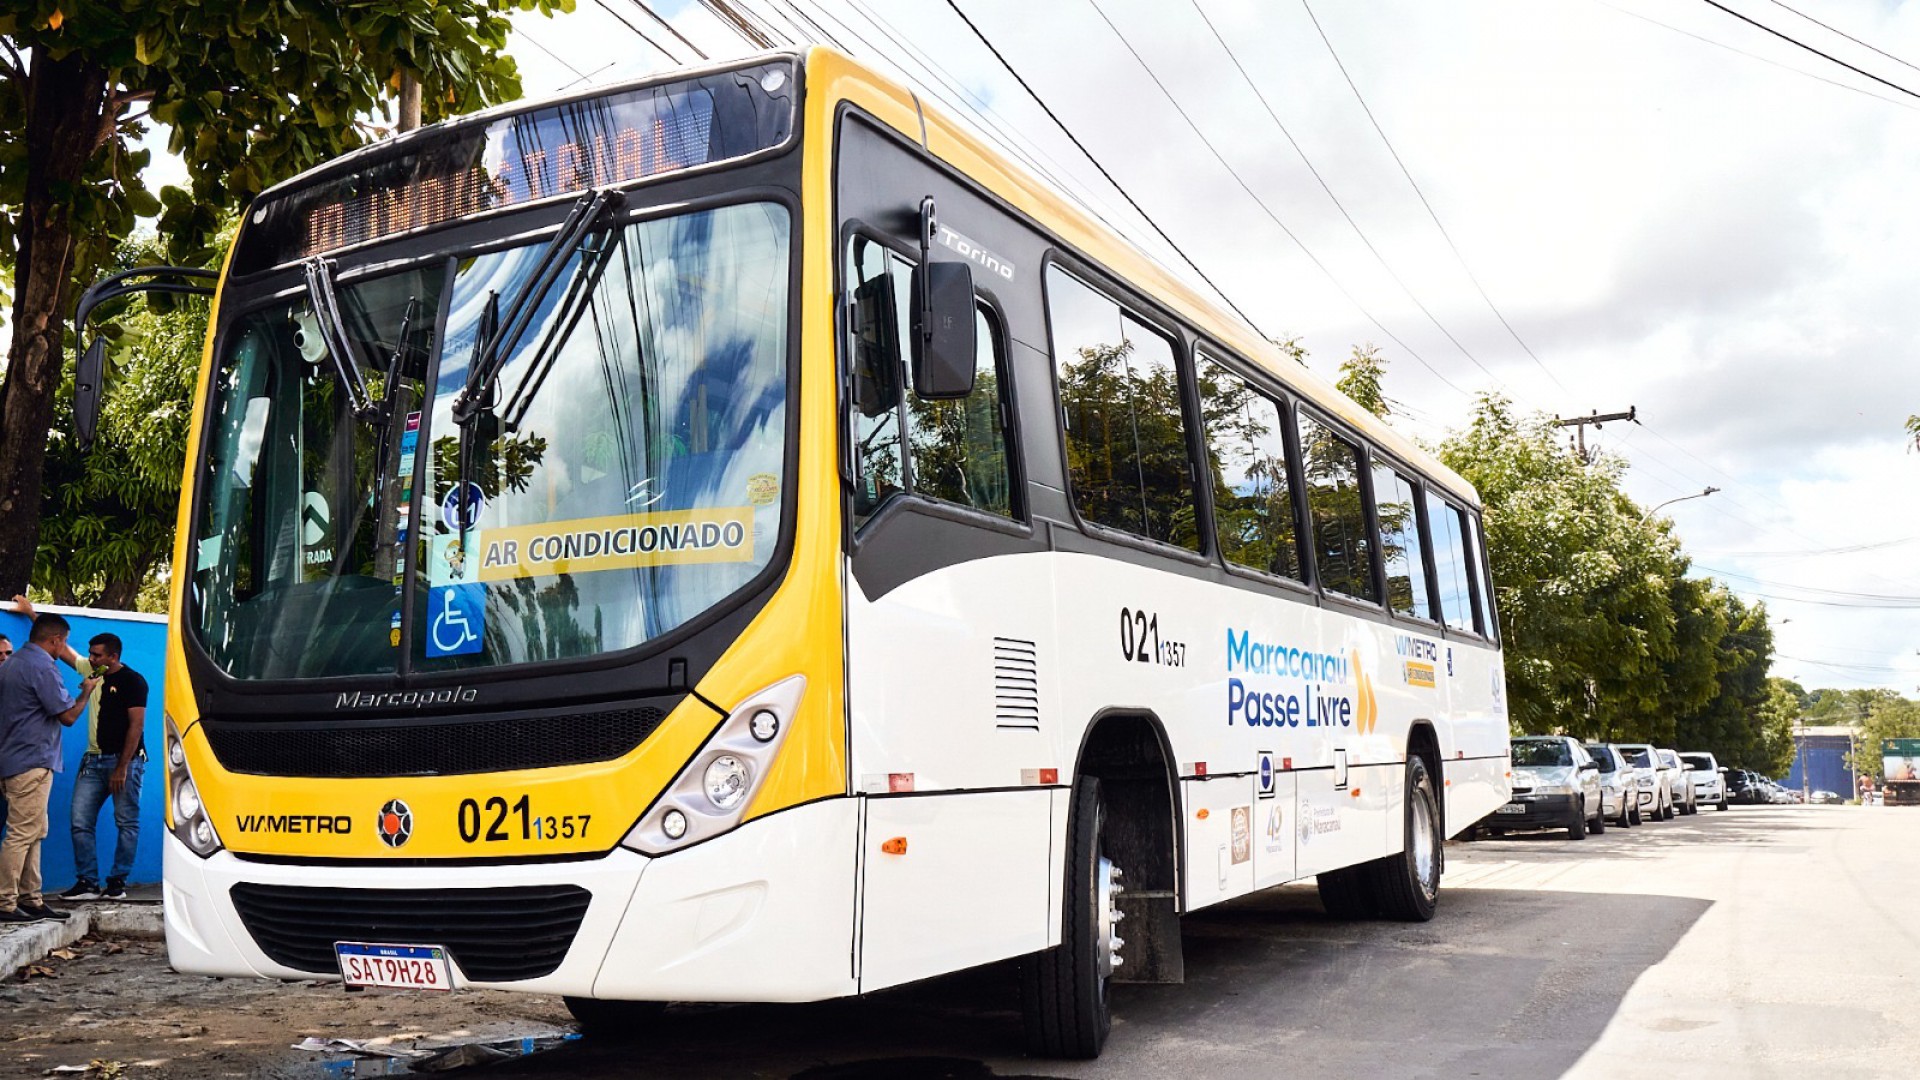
<point x="524" y="158"/>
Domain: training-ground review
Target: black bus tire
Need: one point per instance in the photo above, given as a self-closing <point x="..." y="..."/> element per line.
<point x="1063" y="989"/>
<point x="1406" y="886"/>
<point x="1346" y="893"/>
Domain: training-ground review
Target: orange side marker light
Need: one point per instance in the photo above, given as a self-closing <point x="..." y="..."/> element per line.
<point x="1201" y="813"/>
<point x="895" y="846"/>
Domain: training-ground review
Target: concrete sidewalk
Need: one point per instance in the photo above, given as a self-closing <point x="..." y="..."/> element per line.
<point x="138" y="917"/>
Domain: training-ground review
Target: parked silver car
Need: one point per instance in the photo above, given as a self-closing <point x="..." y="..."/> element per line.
<point x="1709" y="779"/>
<point x="1652" y="778"/>
<point x="1556" y="785"/>
<point x="1684" y="799"/>
<point x="1619" y="795"/>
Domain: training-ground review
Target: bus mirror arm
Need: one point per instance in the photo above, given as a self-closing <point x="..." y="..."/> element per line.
<point x="90" y="368"/>
<point x="943" y="323"/>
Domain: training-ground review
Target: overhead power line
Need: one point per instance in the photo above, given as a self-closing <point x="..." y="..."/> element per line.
<point x="1082" y="147"/>
<point x="637" y="32"/>
<point x="1797" y="43"/>
<point x="651" y="14"/>
<point x="1770" y="62"/>
<point x="1836" y="30"/>
<point x="1415" y="184"/>
<point x="1275" y="218"/>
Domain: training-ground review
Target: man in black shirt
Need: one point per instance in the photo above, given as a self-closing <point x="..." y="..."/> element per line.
<point x="115" y="759"/>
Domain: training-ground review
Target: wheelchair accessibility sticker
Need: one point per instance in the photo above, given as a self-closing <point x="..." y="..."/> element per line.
<point x="456" y="619"/>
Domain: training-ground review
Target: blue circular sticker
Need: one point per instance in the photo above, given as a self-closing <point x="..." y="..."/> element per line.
<point x="461" y="507"/>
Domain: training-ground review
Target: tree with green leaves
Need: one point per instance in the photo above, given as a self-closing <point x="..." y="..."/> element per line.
<point x="107" y="521"/>
<point x="252" y="91"/>
<point x="1583" y="582"/>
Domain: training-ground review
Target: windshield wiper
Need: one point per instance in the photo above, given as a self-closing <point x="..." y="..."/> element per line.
<point x="491" y="350"/>
<point x="333" y="331"/>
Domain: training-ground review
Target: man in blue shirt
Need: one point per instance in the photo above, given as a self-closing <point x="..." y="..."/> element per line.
<point x="34" y="706"/>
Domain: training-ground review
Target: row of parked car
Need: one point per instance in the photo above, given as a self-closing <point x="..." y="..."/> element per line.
<point x="1561" y="783"/>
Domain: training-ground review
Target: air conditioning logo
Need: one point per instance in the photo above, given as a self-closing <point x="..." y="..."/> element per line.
<point x="395" y="824"/>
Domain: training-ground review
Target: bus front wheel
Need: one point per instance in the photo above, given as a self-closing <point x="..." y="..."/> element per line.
<point x="1064" y="989"/>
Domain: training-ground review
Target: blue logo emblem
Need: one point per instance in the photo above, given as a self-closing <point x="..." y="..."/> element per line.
<point x="456" y="619"/>
<point x="1266" y="774"/>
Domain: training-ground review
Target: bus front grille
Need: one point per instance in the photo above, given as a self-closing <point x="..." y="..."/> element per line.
<point x="441" y="747"/>
<point x="494" y="935"/>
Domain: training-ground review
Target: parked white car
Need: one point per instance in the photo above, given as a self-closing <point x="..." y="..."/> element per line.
<point x="1555" y="785"/>
<point x="1652" y="778"/>
<point x="1709" y="779"/>
<point x="1684" y="800"/>
<point x="1618" y="792"/>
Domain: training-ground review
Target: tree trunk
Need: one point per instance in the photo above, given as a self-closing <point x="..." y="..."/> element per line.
<point x="64" y="130"/>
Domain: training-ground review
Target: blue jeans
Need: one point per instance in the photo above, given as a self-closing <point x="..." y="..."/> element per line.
<point x="90" y="793"/>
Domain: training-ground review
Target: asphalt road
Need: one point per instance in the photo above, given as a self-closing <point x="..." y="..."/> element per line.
<point x="1756" y="943"/>
<point x="1752" y="943"/>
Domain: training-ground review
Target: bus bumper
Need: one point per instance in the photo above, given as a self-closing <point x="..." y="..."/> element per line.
<point x="763" y="913"/>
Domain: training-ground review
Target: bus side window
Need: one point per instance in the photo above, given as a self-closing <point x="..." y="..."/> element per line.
<point x="1247" y="464"/>
<point x="879" y="458"/>
<point x="1406" y="565"/>
<point x="1342" y="555"/>
<point x="955" y="451"/>
<point x="1446" y="523"/>
<point x="1127" y="459"/>
<point x="1489" y="624"/>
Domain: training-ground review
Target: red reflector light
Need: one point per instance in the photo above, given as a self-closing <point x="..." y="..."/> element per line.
<point x="900" y="781"/>
<point x="1049" y="776"/>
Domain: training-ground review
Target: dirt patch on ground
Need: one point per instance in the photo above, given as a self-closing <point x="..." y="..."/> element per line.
<point x="117" y="1006"/>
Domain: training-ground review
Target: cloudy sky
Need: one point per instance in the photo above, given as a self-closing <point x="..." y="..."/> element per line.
<point x="1672" y="210"/>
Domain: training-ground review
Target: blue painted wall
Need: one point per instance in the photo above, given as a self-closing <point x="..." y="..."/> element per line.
<point x="145" y="641"/>
<point x="1824" y="759"/>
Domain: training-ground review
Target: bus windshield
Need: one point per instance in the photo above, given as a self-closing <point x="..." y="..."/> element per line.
<point x="625" y="474"/>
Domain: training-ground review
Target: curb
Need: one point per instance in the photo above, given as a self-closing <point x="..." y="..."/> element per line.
<point x="30" y="942"/>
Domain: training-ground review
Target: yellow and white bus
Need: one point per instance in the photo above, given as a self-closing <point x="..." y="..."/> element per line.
<point x="734" y="537"/>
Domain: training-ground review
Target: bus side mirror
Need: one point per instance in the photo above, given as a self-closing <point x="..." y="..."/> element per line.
<point x="87" y="382"/>
<point x="942" y="327"/>
<point x="943" y="345"/>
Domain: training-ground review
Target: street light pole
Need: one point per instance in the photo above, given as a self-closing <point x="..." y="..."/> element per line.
<point x="1697" y="495"/>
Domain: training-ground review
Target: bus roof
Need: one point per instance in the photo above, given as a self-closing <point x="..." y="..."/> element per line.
<point x="839" y="76"/>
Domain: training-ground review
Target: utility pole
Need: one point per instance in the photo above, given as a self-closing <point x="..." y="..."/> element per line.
<point x="1579" y="424"/>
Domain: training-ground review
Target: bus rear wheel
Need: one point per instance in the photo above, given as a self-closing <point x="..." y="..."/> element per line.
<point x="1064" y="989"/>
<point x="1405" y="886"/>
<point x="604" y="1018"/>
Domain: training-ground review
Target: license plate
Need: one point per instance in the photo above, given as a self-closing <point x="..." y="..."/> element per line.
<point x="408" y="967"/>
<point x="1514" y="808"/>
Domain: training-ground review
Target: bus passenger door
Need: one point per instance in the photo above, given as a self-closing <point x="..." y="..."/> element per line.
<point x="949" y="625"/>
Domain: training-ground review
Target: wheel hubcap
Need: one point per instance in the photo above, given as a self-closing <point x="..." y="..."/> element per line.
<point x="1106" y="942"/>
<point x="1425" y="864"/>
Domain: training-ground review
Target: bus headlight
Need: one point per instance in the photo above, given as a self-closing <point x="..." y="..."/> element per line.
<point x="189" y="816"/>
<point x="714" y="789"/>
<point x="727" y="782"/>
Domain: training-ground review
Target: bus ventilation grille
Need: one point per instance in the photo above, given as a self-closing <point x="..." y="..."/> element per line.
<point x="494" y="935"/>
<point x="1016" y="683"/>
<point x="431" y="748"/>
